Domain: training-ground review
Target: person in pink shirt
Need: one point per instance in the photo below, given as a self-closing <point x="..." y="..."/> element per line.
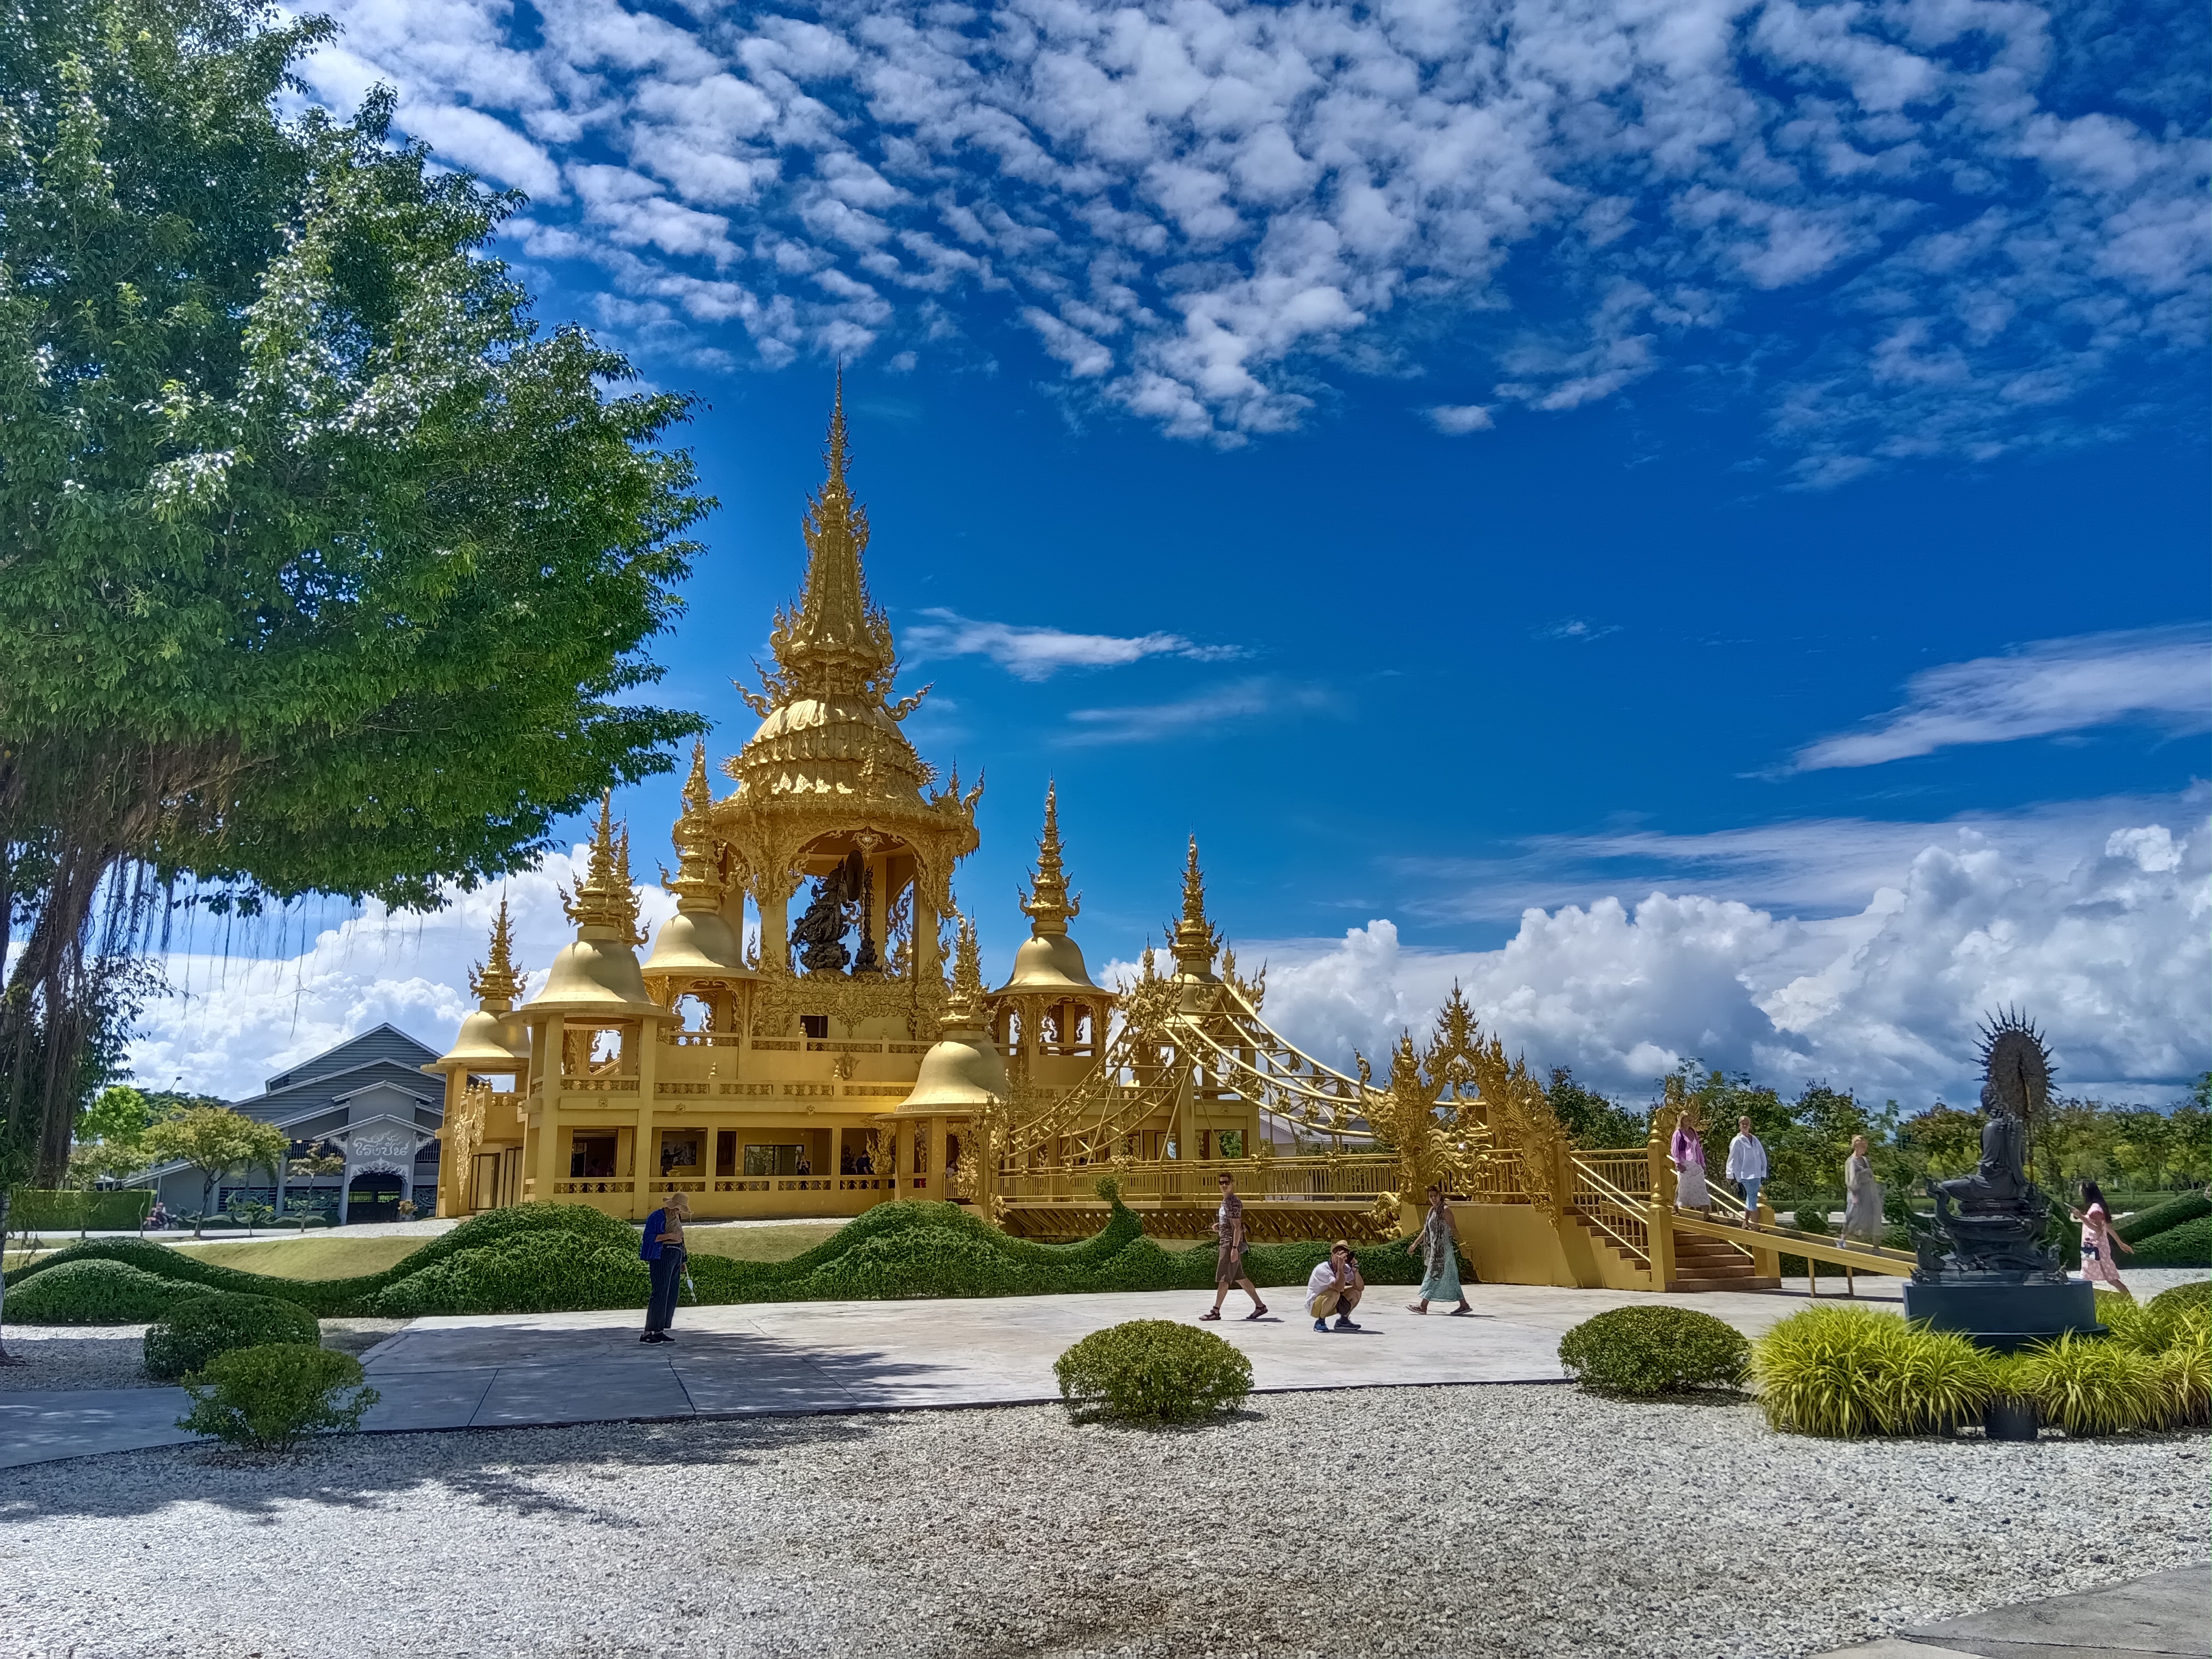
<point x="2099" y="1241"/>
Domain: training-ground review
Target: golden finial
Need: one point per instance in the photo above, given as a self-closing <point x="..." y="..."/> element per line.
<point x="604" y="901"/>
<point x="1047" y="903"/>
<point x="697" y="883"/>
<point x="493" y="982"/>
<point x="1192" y="937"/>
<point x="967" y="972"/>
<point x="836" y="641"/>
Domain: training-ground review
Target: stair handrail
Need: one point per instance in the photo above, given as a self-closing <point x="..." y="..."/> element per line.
<point x="1635" y="1204"/>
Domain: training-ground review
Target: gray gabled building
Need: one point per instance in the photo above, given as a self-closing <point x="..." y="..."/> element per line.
<point x="366" y="1100"/>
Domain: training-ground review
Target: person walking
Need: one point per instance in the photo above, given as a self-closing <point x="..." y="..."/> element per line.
<point x="1686" y="1153"/>
<point x="1229" y="1253"/>
<point x="1439" y="1258"/>
<point x="2099" y="1241"/>
<point x="1746" y="1167"/>
<point x="662" y="1250"/>
<point x="1862" y="1195"/>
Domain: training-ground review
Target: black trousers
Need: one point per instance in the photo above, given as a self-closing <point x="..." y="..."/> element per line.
<point x="667" y="1278"/>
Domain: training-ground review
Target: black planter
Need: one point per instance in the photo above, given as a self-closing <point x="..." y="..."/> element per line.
<point x="2012" y="1420"/>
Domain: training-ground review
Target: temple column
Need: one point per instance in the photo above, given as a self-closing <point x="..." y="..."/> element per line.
<point x="775" y="929"/>
<point x="548" y="1109"/>
<point x="644" y="1152"/>
<point x="933" y="1159"/>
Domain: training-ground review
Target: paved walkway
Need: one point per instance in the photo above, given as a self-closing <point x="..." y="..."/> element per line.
<point x="802" y="1358"/>
<point x="2168" y="1613"/>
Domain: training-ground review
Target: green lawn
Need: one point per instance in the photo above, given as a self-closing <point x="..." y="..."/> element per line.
<point x="306" y="1258"/>
<point x="761" y="1243"/>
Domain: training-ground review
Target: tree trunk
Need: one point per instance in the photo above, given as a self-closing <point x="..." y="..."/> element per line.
<point x="6" y="1358"/>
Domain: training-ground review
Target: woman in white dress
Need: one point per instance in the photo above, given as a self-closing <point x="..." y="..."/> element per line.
<point x="1687" y="1155"/>
<point x="1862" y="1195"/>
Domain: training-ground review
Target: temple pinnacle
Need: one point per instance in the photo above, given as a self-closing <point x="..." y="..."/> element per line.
<point x="603" y="900"/>
<point x="697" y="883"/>
<point x="1192" y="937"/>
<point x="1048" y="905"/>
<point x="493" y="982"/>
<point x="966" y="1004"/>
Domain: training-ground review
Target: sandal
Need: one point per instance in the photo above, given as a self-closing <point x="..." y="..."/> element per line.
<point x="1415" y="1307"/>
<point x="1211" y="1313"/>
<point x="1260" y="1312"/>
<point x="1462" y="1313"/>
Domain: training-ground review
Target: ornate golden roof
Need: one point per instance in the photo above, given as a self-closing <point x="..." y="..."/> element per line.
<point x="599" y="974"/>
<point x="1192" y="937"/>
<point x="492" y="1039"/>
<point x="962" y="1073"/>
<point x="1049" y="963"/>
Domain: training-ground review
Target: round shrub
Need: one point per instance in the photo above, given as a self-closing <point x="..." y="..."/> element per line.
<point x="1153" y="1371"/>
<point x="268" y="1397"/>
<point x="1646" y="1351"/>
<point x="196" y="1330"/>
<point x="95" y="1293"/>
<point x="2196" y="1294"/>
<point x="2189" y="1245"/>
<point x="1845" y="1371"/>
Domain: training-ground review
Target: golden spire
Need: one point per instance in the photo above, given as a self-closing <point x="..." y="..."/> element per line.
<point x="493" y="982"/>
<point x="603" y="902"/>
<point x="1048" y="905"/>
<point x="1192" y="937"/>
<point x="966" y="1005"/>
<point x="697" y="883"/>
<point x="836" y="641"/>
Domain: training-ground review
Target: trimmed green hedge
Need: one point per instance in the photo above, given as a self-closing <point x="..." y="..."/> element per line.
<point x="544" y="1257"/>
<point x="2189" y="1245"/>
<point x="43" y="1210"/>
<point x="2149" y="1224"/>
<point x="212" y="1323"/>
<point x="95" y="1292"/>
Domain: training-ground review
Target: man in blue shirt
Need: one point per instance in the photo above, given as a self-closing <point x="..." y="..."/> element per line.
<point x="662" y="1250"/>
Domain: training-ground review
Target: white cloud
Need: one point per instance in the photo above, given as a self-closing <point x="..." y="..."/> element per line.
<point x="1197" y="211"/>
<point x="2110" y="952"/>
<point x="1202" y="714"/>
<point x="2163" y="674"/>
<point x="234" y="1018"/>
<point x="1456" y="420"/>
<point x="1038" y="653"/>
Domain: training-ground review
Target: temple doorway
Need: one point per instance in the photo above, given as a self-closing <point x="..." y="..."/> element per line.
<point x="373" y="1195"/>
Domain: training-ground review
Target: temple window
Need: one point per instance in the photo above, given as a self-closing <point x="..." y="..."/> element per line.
<point x="815" y="1025"/>
<point x="696" y="1013"/>
<point x="592" y="1156"/>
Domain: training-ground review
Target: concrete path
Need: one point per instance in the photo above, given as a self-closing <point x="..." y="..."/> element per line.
<point x="503" y="1370"/>
<point x="2168" y="1613"/>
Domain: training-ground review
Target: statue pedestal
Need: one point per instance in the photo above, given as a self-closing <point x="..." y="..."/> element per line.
<point x="2005" y="1317"/>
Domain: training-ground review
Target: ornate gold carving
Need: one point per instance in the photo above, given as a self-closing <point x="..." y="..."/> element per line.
<point x="495" y="982"/>
<point x="605" y="898"/>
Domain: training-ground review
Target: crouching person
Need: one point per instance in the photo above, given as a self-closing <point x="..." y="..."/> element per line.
<point x="1335" y="1287"/>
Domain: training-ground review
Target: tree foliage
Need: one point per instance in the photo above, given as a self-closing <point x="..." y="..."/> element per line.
<point x="215" y="1140"/>
<point x="326" y="570"/>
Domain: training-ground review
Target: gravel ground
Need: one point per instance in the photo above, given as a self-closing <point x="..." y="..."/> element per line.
<point x="1513" y="1521"/>
<point x="110" y="1355"/>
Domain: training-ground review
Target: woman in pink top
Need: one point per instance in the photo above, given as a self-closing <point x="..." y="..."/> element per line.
<point x="1687" y="1154"/>
<point x="2099" y="1241"/>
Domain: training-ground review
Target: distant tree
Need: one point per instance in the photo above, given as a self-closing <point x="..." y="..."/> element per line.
<point x="1941" y="1142"/>
<point x="118" y="1117"/>
<point x="325" y="571"/>
<point x="215" y="1140"/>
<point x="1592" y="1119"/>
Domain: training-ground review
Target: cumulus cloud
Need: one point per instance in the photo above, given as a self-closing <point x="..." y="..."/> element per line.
<point x="1921" y="228"/>
<point x="1038" y="653"/>
<point x="235" y="1017"/>
<point x="2161" y="674"/>
<point x="2110" y="952"/>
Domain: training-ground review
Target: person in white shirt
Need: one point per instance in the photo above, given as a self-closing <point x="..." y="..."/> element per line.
<point x="1746" y="1167"/>
<point x="1334" y="1287"/>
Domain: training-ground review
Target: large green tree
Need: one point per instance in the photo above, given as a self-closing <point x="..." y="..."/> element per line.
<point x="322" y="567"/>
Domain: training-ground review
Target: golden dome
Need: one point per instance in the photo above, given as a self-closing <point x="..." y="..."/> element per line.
<point x="1049" y="965"/>
<point x="486" y="1043"/>
<point x="961" y="1075"/>
<point x="595" y="976"/>
<point x="697" y="945"/>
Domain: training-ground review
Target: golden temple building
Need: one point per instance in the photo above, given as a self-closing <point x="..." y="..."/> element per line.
<point x="796" y="1043"/>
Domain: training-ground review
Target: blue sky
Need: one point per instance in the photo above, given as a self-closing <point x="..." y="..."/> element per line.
<point x="1693" y="523"/>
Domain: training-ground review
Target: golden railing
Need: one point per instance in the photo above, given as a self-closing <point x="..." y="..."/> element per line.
<point x="1345" y="1177"/>
<point x="1496" y="1180"/>
<point x="1605" y="1193"/>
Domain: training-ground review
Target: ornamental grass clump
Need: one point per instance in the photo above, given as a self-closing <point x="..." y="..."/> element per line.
<point x="1152" y="1371"/>
<point x="267" y="1398"/>
<point x="1650" y="1351"/>
<point x="2196" y="1294"/>
<point x="196" y="1330"/>
<point x="1846" y="1372"/>
<point x="2091" y="1385"/>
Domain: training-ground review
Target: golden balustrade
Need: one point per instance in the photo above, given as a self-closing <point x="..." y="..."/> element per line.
<point x="1322" y="1178"/>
